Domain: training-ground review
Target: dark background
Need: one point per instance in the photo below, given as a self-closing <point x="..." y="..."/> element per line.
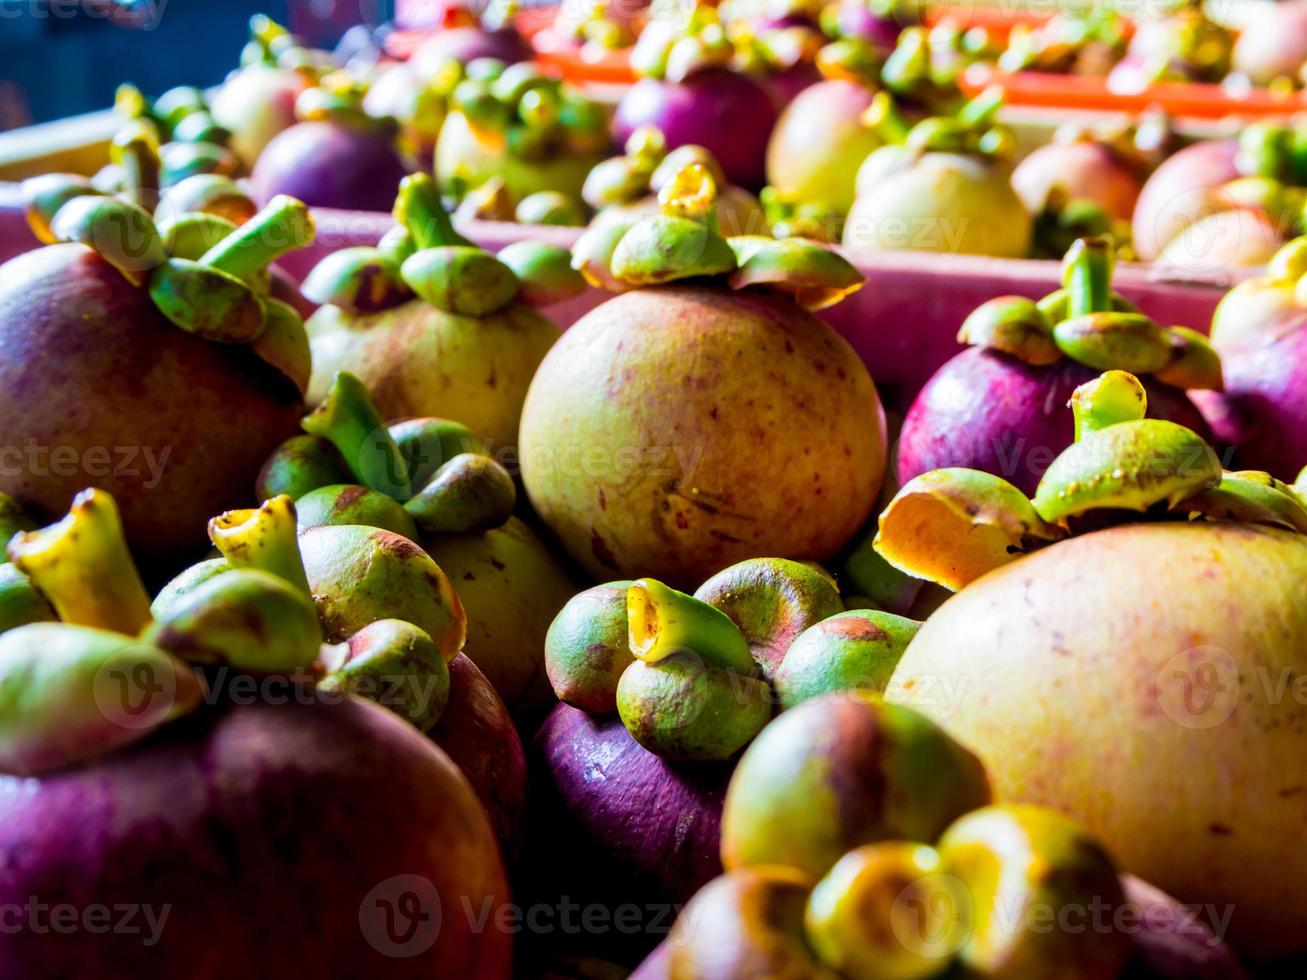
<point x="64" y="57"/>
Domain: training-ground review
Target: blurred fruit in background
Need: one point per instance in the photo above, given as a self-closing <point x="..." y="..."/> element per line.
<point x="87" y="44"/>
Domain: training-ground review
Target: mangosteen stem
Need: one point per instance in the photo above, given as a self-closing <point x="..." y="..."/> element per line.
<point x="647" y="146"/>
<point x="419" y="209"/>
<point x="348" y="419"/>
<point x="340" y="101"/>
<point x="1087" y="275"/>
<point x="662" y="622"/>
<point x="909" y="62"/>
<point x="82" y="566"/>
<point x="136" y="151"/>
<point x="264" y="538"/>
<point x="691" y="193"/>
<point x="849" y="60"/>
<point x="263" y="32"/>
<point x="1289" y="264"/>
<point x="130" y="102"/>
<point x="981" y="110"/>
<point x="284" y="225"/>
<point x="1111" y="398"/>
<point x="884" y="118"/>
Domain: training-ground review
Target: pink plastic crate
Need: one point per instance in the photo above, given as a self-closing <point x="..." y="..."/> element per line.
<point x="903" y="322"/>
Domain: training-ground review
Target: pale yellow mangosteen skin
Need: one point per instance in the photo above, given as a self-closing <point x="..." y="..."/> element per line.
<point x="1142" y="679"/>
<point x="944" y="202"/>
<point x="676" y="430"/>
<point x="418" y="361"/>
<point x="819" y="142"/>
<point x="511" y="588"/>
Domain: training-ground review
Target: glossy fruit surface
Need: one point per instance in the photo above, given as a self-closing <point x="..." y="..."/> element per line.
<point x="678" y="430"/>
<point x="1128" y="678"/>
<point x="97" y="388"/>
<point x="237" y="819"/>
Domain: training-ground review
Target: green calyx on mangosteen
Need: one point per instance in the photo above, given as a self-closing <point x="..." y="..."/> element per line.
<point x="433" y="325"/>
<point x="684" y="241"/>
<point x="460" y="513"/>
<point x="82" y="566"/>
<point x="772" y="601"/>
<point x="632" y="183"/>
<point x="202" y="254"/>
<point x="112" y="668"/>
<point x="691" y="692"/>
<point x="70" y="693"/>
<point x="347" y="503"/>
<point x="588" y="647"/>
<point x="394" y="663"/>
<point x="859" y="915"/>
<point x="1087" y="322"/>
<point x="856" y="650"/>
<point x="21" y="602"/>
<point x="513" y="122"/>
<point x="420" y="475"/>
<point x="952" y="526"/>
<point x="262" y="587"/>
<point x="253" y="621"/>
<point x="359" y="574"/>
<point x="690" y="676"/>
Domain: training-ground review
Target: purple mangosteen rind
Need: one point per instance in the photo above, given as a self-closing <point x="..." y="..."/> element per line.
<point x="953" y="525"/>
<point x="249" y="807"/>
<point x="656" y="820"/>
<point x="1260" y="332"/>
<point x="205" y="274"/>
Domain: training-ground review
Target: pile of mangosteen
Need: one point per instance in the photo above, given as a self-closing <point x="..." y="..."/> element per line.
<point x="446" y="536"/>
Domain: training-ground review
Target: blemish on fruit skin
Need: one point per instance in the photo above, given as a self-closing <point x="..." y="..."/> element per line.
<point x="347" y="498"/>
<point x="854" y="628"/>
<point x="603" y="499"/>
<point x="1220" y="830"/>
